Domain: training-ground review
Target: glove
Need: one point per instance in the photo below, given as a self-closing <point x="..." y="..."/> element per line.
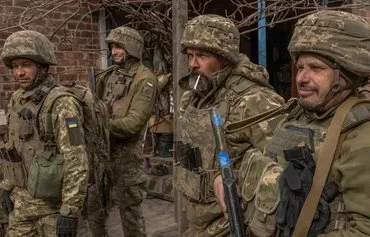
<point x="6" y="203"/>
<point x="322" y="214"/>
<point x="295" y="184"/>
<point x="66" y="226"/>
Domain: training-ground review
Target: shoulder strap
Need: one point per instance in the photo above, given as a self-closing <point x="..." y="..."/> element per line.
<point x="235" y="86"/>
<point x="241" y="85"/>
<point x="126" y="101"/>
<point x="100" y="78"/>
<point x="245" y="123"/>
<point x="49" y="133"/>
<point x="323" y="166"/>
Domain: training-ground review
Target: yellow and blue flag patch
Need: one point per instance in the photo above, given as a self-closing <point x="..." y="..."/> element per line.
<point x="74" y="132"/>
<point x="72" y="123"/>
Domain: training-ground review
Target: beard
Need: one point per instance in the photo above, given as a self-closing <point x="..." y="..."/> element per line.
<point x="203" y="86"/>
<point x="308" y="104"/>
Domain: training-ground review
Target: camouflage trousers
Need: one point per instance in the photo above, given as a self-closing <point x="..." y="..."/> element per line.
<point x="128" y="199"/>
<point x="3" y="222"/>
<point x="3" y="227"/>
<point x="44" y="226"/>
<point x="205" y="220"/>
<point x="218" y="228"/>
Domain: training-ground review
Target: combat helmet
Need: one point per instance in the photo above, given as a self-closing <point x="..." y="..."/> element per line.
<point x="28" y="44"/>
<point x="127" y="38"/>
<point x="213" y="33"/>
<point x="341" y="37"/>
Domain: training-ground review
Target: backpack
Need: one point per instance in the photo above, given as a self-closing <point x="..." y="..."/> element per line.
<point x="96" y="133"/>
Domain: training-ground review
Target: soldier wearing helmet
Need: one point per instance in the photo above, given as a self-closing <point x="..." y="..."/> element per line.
<point x="220" y="78"/>
<point x="129" y="89"/>
<point x="41" y="201"/>
<point x="331" y="50"/>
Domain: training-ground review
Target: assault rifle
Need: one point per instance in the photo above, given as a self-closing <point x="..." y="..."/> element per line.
<point x="232" y="199"/>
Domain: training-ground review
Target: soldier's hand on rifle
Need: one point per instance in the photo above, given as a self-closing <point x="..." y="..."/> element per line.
<point x="218" y="186"/>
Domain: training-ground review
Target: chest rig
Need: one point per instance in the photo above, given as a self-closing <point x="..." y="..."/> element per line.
<point x="24" y="139"/>
<point x="117" y="88"/>
<point x="196" y="136"/>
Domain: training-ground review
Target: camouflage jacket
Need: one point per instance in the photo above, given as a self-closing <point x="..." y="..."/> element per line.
<point x="241" y="91"/>
<point x="350" y="172"/>
<point x="126" y="130"/>
<point x="251" y="101"/>
<point x="350" y="212"/>
<point x="69" y="142"/>
<point x="130" y="125"/>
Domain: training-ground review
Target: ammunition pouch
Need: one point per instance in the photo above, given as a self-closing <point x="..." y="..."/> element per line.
<point x="13" y="167"/>
<point x="189" y="158"/>
<point x="195" y="184"/>
<point x="26" y="126"/>
<point x="260" y="195"/>
<point x="45" y="178"/>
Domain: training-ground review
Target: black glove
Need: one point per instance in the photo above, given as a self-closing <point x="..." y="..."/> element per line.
<point x="295" y="184"/>
<point x="322" y="214"/>
<point x="6" y="203"/>
<point x="66" y="226"/>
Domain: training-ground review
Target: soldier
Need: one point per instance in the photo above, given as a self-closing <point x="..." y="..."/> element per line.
<point x="44" y="160"/>
<point x="331" y="50"/>
<point x="220" y="78"/>
<point x="129" y="89"/>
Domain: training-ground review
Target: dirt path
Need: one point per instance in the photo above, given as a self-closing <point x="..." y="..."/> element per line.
<point x="159" y="220"/>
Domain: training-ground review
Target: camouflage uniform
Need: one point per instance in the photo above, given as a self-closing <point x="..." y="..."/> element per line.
<point x="34" y="216"/>
<point x="3" y="133"/>
<point x="132" y="86"/>
<point x="343" y="40"/>
<point x="240" y="90"/>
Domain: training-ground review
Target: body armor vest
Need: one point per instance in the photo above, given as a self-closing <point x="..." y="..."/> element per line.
<point x="116" y="87"/>
<point x="24" y="127"/>
<point x="196" y="132"/>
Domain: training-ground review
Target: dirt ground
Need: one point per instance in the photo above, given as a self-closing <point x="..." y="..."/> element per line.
<point x="159" y="220"/>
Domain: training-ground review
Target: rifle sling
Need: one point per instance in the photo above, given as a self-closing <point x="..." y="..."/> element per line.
<point x="245" y="123"/>
<point x="323" y="166"/>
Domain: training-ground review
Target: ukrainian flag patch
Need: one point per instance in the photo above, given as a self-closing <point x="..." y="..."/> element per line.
<point x="72" y="123"/>
<point x="74" y="132"/>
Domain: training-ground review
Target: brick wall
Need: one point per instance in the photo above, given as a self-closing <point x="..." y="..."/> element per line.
<point x="69" y="24"/>
<point x="365" y="11"/>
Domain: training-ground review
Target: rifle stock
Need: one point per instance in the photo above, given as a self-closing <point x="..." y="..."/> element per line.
<point x="232" y="199"/>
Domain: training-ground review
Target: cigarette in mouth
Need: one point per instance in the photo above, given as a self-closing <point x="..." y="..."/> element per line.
<point x="196" y="82"/>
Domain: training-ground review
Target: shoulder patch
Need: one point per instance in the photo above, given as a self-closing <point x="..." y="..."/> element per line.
<point x="74" y="131"/>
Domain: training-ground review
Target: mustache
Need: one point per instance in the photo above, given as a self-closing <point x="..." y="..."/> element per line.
<point x="306" y="86"/>
<point x="195" y="74"/>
